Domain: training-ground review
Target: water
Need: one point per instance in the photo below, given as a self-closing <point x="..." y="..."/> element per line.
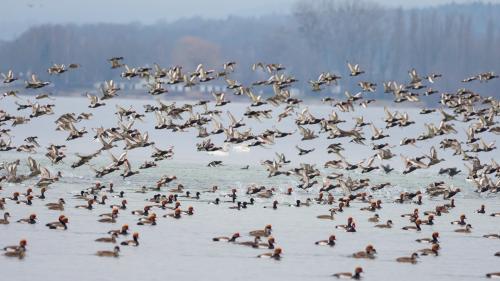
<point x="182" y="249"/>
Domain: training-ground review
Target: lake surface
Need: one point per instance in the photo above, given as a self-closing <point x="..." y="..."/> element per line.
<point x="183" y="249"/>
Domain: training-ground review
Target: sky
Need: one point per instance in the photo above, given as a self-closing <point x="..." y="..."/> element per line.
<point x="19" y="15"/>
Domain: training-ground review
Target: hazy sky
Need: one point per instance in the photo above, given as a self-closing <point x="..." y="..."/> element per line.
<point x="18" y="15"/>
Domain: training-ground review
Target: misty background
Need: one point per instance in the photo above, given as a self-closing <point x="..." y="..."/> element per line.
<point x="386" y="37"/>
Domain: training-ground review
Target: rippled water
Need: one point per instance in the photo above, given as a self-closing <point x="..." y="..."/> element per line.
<point x="182" y="249"/>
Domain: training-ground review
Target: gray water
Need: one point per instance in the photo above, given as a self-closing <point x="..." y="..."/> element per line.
<point x="182" y="249"/>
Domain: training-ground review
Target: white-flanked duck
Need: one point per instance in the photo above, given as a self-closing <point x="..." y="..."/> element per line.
<point x="348" y="275"/>
<point x="330" y="242"/>
<point x="276" y="254"/>
<point x="227" y="239"/>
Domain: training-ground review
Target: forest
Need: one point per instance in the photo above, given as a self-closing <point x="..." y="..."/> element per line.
<point x="456" y="40"/>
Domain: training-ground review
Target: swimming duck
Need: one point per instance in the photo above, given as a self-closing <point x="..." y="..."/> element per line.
<point x="89" y="205"/>
<point x="388" y="224"/>
<point x="133" y="242"/>
<point x="461" y="221"/>
<point x="327" y="217"/>
<point x="22" y="245"/>
<point x="20" y="253"/>
<point x="263" y="232"/>
<point x="434" y="250"/>
<point x="111" y="219"/>
<point x="467" y="229"/>
<point x="415" y="227"/>
<point x="411" y="259"/>
<point x="493" y="275"/>
<point x="111" y="239"/>
<point x="121" y="231"/>
<point x="60" y="224"/>
<point x="151" y="220"/>
<point x="274" y="206"/>
<point x="227" y="239"/>
<point x="433" y="239"/>
<point x="5" y="219"/>
<point x="253" y="244"/>
<point x="375" y="218"/>
<point x="59" y="206"/>
<point x="144" y="212"/>
<point x="269" y="245"/>
<point x="115" y="253"/>
<point x="429" y="220"/>
<point x="276" y="254"/>
<point x="350" y="221"/>
<point x="28" y="200"/>
<point x="348" y="275"/>
<point x="495" y="214"/>
<point x="176" y="214"/>
<point x="492" y="236"/>
<point x="482" y="210"/>
<point x="330" y="242"/>
<point x="31" y="219"/>
<point x="368" y="253"/>
<point x="190" y="211"/>
<point x="123" y="205"/>
<point x="114" y="212"/>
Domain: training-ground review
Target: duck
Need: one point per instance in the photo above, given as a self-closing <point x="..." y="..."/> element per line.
<point x="415" y="227"/>
<point x="22" y="245"/>
<point x="433" y="239"/>
<point x="227" y="239"/>
<point x="276" y="254"/>
<point x="111" y="239"/>
<point x="368" y="253"/>
<point x="492" y="236"/>
<point x="411" y="259"/>
<point x="59" y="206"/>
<point x="481" y="210"/>
<point x="461" y="221"/>
<point x="16" y="254"/>
<point x="89" y="205"/>
<point x="31" y="219"/>
<point x="190" y="211"/>
<point x="253" y="244"/>
<point x="350" y="221"/>
<point x="122" y="231"/>
<point x="262" y="232"/>
<point x="434" y="250"/>
<point x="115" y="253"/>
<point x="493" y="275"/>
<point x="133" y="242"/>
<point x="467" y="229"/>
<point x="111" y="219"/>
<point x="429" y="220"/>
<point x="144" y="212"/>
<point x="327" y="217"/>
<point x="42" y="193"/>
<point x="375" y="218"/>
<point x="114" y="212"/>
<point x="60" y="224"/>
<point x="330" y="242"/>
<point x="151" y="220"/>
<point x="176" y="214"/>
<point x="269" y="245"/>
<point x="122" y="206"/>
<point x="274" y="206"/>
<point x="495" y="214"/>
<point x="5" y="219"/>
<point x="348" y="275"/>
<point x="388" y="224"/>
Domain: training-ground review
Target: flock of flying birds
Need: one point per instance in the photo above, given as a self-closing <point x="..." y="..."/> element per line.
<point x="466" y="106"/>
